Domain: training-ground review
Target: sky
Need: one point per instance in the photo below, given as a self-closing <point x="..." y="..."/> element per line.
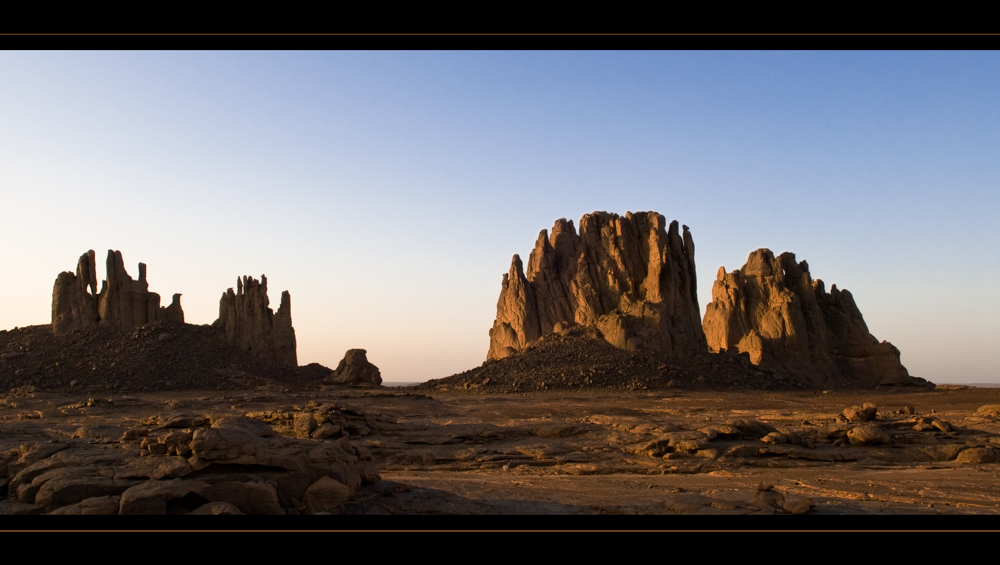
<point x="387" y="191"/>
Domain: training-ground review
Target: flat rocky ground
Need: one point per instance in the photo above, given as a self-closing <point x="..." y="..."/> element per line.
<point x="669" y="452"/>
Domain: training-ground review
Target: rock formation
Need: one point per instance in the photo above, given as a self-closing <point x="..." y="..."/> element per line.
<point x="355" y="369"/>
<point x="123" y="303"/>
<point x="252" y="326"/>
<point x="788" y="323"/>
<point x="630" y="277"/>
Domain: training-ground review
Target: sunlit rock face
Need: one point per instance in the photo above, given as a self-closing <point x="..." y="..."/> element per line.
<point x="787" y="322"/>
<point x="252" y="326"/>
<point x="123" y="303"/>
<point x="632" y="278"/>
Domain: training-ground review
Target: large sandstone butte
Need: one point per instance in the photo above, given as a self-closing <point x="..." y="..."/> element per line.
<point x="252" y="326"/>
<point x="788" y="323"/>
<point x="631" y="277"/>
<point x="123" y="303"/>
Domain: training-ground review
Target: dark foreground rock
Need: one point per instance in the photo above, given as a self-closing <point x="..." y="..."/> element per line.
<point x="235" y="465"/>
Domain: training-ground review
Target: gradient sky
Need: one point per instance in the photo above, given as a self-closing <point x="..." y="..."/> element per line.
<point x="387" y="191"/>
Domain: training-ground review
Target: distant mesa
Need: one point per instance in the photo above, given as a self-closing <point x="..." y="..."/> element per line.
<point x="355" y="370"/>
<point x="632" y="278"/>
<point x="787" y="322"/>
<point x="123" y="303"/>
<point x="250" y="325"/>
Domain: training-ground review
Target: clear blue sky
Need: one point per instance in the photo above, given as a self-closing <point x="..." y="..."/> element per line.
<point x="387" y="191"/>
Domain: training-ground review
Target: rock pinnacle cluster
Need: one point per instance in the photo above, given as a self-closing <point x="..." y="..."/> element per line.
<point x="252" y="326"/>
<point x="631" y="281"/>
<point x="123" y="303"/>
<point x="787" y="322"/>
<point x="632" y="278"/>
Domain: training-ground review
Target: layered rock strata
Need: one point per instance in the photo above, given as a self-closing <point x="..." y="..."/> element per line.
<point x="773" y="310"/>
<point x="355" y="369"/>
<point x="123" y="303"/>
<point x="631" y="277"/>
<point x="252" y="326"/>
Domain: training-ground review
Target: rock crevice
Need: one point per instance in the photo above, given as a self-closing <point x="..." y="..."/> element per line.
<point x="631" y="277"/>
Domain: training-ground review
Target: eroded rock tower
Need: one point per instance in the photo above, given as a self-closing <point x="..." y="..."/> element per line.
<point x="251" y="325"/>
<point x="631" y="277"/>
<point x="123" y="303"/>
<point x="773" y="310"/>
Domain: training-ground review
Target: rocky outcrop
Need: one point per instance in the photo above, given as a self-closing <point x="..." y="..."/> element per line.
<point x="631" y="277"/>
<point x="355" y="369"/>
<point x="123" y="303"/>
<point x="235" y="465"/>
<point x="252" y="326"/>
<point x="788" y="323"/>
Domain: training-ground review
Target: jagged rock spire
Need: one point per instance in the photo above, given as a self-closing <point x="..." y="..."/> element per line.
<point x="123" y="303"/>
<point x="631" y="277"/>
<point x="251" y="325"/>
<point x="773" y="310"/>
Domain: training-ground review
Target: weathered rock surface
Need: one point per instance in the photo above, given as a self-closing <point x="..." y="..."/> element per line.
<point x="631" y="277"/>
<point x="355" y="369"/>
<point x="123" y="303"/>
<point x="252" y="326"/>
<point x="236" y="465"/>
<point x="788" y="323"/>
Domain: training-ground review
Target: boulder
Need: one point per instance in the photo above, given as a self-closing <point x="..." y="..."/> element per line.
<point x="867" y="434"/>
<point x="355" y="369"/>
<point x="123" y="303"/>
<point x="864" y="413"/>
<point x="252" y="326"/>
<point x="632" y="278"/>
<point x="325" y="495"/>
<point x="788" y="323"/>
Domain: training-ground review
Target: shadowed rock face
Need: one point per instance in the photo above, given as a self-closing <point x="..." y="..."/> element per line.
<point x="631" y="277"/>
<point x="788" y="322"/>
<point x="123" y="303"/>
<point x="251" y="325"/>
<point x="355" y="369"/>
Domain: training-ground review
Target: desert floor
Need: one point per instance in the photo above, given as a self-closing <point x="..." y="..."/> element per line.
<point x="670" y="452"/>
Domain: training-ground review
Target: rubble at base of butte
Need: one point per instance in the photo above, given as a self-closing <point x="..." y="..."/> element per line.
<point x="250" y="325"/>
<point x="788" y="323"/>
<point x="123" y="303"/>
<point x="632" y="278"/>
<point x="355" y="369"/>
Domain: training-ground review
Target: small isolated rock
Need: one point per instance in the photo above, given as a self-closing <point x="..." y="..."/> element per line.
<point x="867" y="435"/>
<point x="354" y="369"/>
<point x="165" y="337"/>
<point x="864" y="413"/>
<point x="325" y="495"/>
<point x="768" y="497"/>
<point x="977" y="455"/>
